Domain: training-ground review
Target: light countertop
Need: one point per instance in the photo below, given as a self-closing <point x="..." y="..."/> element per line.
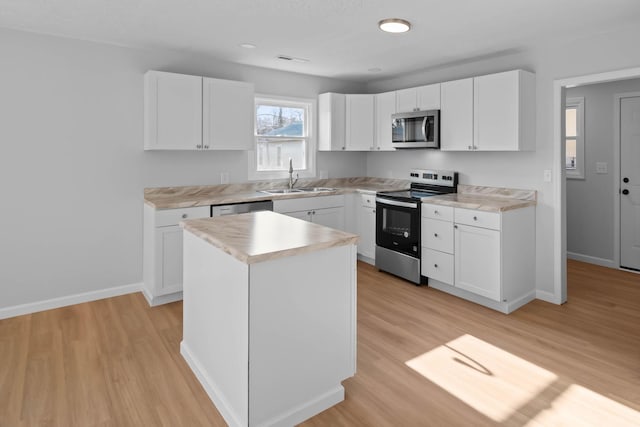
<point x="261" y="236"/>
<point x="479" y="202"/>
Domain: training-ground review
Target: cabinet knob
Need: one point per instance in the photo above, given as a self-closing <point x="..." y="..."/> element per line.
<point x="625" y="191"/>
<point x="470" y="147"/>
<point x="343" y="148"/>
<point x="198" y="146"/>
<point x="206" y="146"/>
<point x="435" y="265"/>
<point x="374" y="211"/>
<point x="455" y="226"/>
<point x="475" y="218"/>
<point x="625" y="180"/>
<point x="435" y="234"/>
<point x="436" y="212"/>
<point x="378" y="148"/>
<point x="313" y="212"/>
<point x="184" y="216"/>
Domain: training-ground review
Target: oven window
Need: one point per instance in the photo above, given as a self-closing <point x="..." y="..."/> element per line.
<point x="396" y="223"/>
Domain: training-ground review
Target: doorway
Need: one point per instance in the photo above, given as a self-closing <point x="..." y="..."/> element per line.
<point x="628" y="120"/>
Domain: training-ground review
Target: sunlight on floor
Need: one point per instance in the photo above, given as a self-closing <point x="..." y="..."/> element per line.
<point x="505" y="387"/>
<point x="583" y="407"/>
<point x="490" y="380"/>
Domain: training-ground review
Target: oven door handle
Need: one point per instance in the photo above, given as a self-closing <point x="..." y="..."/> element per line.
<point x="396" y="203"/>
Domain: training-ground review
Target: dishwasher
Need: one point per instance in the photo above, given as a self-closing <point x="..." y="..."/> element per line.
<point x="237" y="208"/>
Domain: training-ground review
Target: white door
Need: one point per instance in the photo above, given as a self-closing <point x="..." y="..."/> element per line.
<point x="630" y="182"/>
<point x="330" y="217"/>
<point x="360" y="122"/>
<point x="477" y="260"/>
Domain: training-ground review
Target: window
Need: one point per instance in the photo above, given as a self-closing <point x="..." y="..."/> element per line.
<point x="283" y="133"/>
<point x="574" y="138"/>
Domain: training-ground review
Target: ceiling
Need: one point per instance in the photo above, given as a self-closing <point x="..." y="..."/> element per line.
<point x="340" y="38"/>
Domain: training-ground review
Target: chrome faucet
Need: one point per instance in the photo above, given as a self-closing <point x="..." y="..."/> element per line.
<point x="291" y="181"/>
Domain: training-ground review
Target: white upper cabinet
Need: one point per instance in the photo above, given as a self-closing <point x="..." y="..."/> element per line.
<point x="504" y="111"/>
<point x="495" y="112"/>
<point x="227" y="111"/>
<point x="385" y="106"/>
<point x="359" y="124"/>
<point x="456" y="115"/>
<point x="173" y="111"/>
<point x="331" y="121"/>
<point x="185" y="112"/>
<point x="418" y="98"/>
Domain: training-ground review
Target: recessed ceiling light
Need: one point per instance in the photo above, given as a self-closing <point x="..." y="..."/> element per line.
<point x="394" y="25"/>
<point x="374" y="70"/>
<point x="248" y="46"/>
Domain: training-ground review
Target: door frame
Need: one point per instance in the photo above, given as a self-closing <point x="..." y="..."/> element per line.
<point x="558" y="170"/>
<point x="617" y="150"/>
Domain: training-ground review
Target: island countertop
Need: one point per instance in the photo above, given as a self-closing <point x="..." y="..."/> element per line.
<point x="261" y="236"/>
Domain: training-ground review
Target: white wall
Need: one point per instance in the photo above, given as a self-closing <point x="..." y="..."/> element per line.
<point x="562" y="59"/>
<point x="73" y="169"/>
<point x="590" y="201"/>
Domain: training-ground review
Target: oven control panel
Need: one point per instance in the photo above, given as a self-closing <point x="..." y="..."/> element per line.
<point x="434" y="177"/>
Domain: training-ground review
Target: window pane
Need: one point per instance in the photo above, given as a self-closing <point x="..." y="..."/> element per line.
<point x="571" y="154"/>
<point x="274" y="155"/>
<point x="279" y="120"/>
<point x="571" y="121"/>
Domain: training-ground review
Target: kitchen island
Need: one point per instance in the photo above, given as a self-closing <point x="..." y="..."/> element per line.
<point x="269" y="315"/>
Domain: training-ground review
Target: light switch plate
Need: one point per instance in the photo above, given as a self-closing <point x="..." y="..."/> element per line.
<point x="547" y="175"/>
<point x="601" y="167"/>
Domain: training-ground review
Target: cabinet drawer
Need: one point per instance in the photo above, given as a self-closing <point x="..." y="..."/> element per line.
<point x="475" y="218"/>
<point x="437" y="265"/>
<point x="443" y="213"/>
<point x="168" y="217"/>
<point x="369" y="200"/>
<point x="437" y="235"/>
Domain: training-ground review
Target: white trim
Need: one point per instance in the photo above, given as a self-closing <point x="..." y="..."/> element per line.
<point x="592" y="259"/>
<point x="312" y="151"/>
<point x="546" y="296"/>
<point x="579" y="171"/>
<point x="34" y="307"/>
<point x="617" y="149"/>
<point x="161" y="299"/>
<point x="559" y="199"/>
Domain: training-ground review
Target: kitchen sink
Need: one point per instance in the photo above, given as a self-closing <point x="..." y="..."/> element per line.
<point x="299" y="190"/>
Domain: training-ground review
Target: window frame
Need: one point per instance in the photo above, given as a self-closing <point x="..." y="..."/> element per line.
<point x="311" y="149"/>
<point x="579" y="171"/>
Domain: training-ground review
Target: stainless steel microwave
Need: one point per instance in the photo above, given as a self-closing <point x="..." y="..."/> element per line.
<point x="417" y="129"/>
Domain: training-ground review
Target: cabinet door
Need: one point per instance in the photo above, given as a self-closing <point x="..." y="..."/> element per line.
<point x="228" y="115"/>
<point x="367" y="232"/>
<point x="428" y="97"/>
<point x="477" y="261"/>
<point x="385" y="104"/>
<point x="173" y="111"/>
<point x="169" y="260"/>
<point x="304" y="215"/>
<point x="406" y="100"/>
<point x="496" y="112"/>
<point x="330" y="217"/>
<point x="359" y="123"/>
<point x="456" y="120"/>
<point x="331" y="121"/>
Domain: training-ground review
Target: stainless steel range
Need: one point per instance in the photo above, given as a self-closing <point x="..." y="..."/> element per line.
<point x="398" y="221"/>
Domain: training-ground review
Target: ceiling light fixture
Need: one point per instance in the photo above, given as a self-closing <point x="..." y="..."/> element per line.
<point x="394" y="25"/>
<point x="248" y="46"/>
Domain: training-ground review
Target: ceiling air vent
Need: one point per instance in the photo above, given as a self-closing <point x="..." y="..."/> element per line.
<point x="291" y="58"/>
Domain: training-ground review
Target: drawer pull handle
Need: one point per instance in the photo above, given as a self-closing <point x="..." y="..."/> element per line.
<point x="455" y="226"/>
<point x="435" y="234"/>
<point x="184" y="216"/>
<point x="475" y="218"/>
<point x="435" y="265"/>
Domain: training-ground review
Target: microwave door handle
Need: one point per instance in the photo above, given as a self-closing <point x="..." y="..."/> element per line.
<point x="424" y="128"/>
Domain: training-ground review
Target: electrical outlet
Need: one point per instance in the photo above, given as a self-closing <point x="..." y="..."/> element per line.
<point x="601" y="167"/>
<point x="547" y="175"/>
<point x="224" y="177"/>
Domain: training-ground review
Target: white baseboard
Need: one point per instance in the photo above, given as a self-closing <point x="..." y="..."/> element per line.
<point x="34" y="307"/>
<point x="592" y="259"/>
<point x="546" y="296"/>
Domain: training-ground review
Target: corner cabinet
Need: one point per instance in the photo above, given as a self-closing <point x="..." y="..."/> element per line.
<point x="484" y="257"/>
<point x="346" y="122"/>
<point x="162" y="252"/>
<point x="385" y="106"/>
<point x="183" y="112"/>
<point x="495" y="112"/>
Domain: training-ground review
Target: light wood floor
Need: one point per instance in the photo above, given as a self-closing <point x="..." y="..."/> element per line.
<point x="116" y="362"/>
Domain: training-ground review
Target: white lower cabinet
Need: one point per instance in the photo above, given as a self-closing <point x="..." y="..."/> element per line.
<point x="162" y="252"/>
<point x="367" y="227"/>
<point x="324" y="210"/>
<point x="484" y="257"/>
